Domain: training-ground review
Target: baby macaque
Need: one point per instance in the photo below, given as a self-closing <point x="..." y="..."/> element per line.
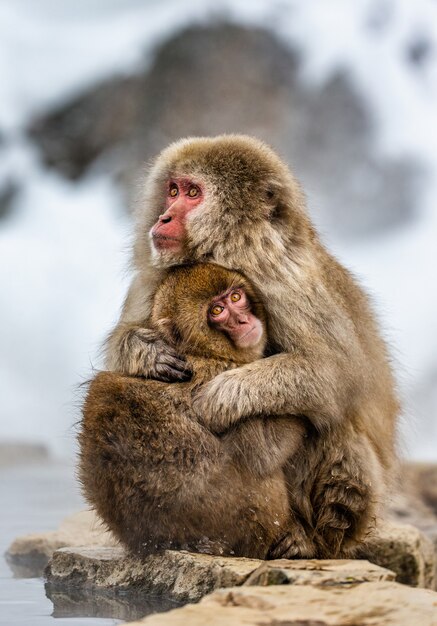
<point x="156" y="476"/>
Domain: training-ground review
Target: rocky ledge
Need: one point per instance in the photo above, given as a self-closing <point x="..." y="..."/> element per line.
<point x="365" y="604"/>
<point x="101" y="563"/>
<point x="188" y="577"/>
<point x="248" y="591"/>
<point x="235" y="590"/>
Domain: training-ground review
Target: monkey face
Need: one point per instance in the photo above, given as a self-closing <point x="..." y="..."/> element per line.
<point x="169" y="232"/>
<point x="216" y="195"/>
<point x="232" y="314"/>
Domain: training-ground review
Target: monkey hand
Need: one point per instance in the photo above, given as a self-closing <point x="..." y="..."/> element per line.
<point x="152" y="357"/>
<point x="225" y="399"/>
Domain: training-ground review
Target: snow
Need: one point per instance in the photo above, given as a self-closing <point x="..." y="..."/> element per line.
<point x="64" y="249"/>
<point x="399" y="271"/>
<point x="61" y="286"/>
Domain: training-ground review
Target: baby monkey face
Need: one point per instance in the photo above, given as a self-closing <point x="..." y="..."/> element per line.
<point x="231" y="313"/>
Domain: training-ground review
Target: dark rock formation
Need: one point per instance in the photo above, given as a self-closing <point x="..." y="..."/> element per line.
<point x="225" y="78"/>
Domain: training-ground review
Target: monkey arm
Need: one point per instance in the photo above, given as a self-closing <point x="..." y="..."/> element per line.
<point x="316" y="384"/>
<point x="142" y="352"/>
<point x="135" y="349"/>
<point x="264" y="445"/>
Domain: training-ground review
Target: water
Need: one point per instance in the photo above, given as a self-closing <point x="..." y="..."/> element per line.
<point x="35" y="498"/>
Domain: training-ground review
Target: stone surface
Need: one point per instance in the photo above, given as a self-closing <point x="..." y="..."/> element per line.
<point x="366" y="604"/>
<point x="180" y="575"/>
<point x="405" y="550"/>
<point x="397" y="547"/>
<point x="325" y="131"/>
<point x="324" y="573"/>
<point x="422" y="481"/>
<point x="29" y="555"/>
<point x="415" y="502"/>
<point x="8" y="192"/>
<point x="187" y="577"/>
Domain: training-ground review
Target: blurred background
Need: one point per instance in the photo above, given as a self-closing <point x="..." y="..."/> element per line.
<point x="345" y="91"/>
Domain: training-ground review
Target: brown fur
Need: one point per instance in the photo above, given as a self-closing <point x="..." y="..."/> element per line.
<point x="157" y="477"/>
<point x="327" y="360"/>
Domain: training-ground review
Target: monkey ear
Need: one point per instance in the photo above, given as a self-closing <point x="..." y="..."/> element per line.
<point x="167" y="330"/>
<point x="272" y="200"/>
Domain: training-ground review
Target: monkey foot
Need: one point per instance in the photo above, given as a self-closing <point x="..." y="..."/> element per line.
<point x="292" y="546"/>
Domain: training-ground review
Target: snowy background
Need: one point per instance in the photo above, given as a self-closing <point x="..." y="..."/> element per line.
<point x="64" y="240"/>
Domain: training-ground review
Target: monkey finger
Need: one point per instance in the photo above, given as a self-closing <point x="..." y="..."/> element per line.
<point x="292" y="545"/>
<point x="282" y="547"/>
<point x="166" y="350"/>
<point x="166" y="373"/>
<point x="174" y="362"/>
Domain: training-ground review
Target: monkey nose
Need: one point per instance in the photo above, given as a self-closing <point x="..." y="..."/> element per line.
<point x="165" y="219"/>
<point x="242" y="319"/>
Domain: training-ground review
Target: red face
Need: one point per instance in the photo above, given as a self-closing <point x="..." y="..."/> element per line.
<point x="231" y="314"/>
<point x="183" y="195"/>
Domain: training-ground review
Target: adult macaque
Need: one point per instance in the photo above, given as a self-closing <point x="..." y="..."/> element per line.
<point x="157" y="477"/>
<point x="230" y="200"/>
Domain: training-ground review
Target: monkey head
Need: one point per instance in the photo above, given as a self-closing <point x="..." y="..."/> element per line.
<point x="231" y="312"/>
<point x="209" y="311"/>
<point x="208" y="196"/>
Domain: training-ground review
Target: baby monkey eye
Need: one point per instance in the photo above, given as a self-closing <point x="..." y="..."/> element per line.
<point x="235" y="296"/>
<point x="216" y="310"/>
<point x="193" y="192"/>
<point x="174" y="190"/>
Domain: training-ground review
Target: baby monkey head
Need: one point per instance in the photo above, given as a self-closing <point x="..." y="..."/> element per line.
<point x="208" y="311"/>
<point x="231" y="313"/>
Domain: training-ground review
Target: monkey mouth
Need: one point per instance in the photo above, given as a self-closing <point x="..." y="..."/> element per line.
<point x="164" y="242"/>
<point x="235" y="333"/>
<point x="158" y="236"/>
<point x="247" y="339"/>
<point x="248" y="332"/>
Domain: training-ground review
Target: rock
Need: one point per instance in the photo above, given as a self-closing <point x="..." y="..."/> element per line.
<point x="366" y="604"/>
<point x="186" y="576"/>
<point x="181" y="576"/>
<point x="397" y="547"/>
<point x="416" y="502"/>
<point x="325" y="131"/>
<point x="29" y="555"/>
<point x="72" y="137"/>
<point x="422" y="481"/>
<point x="8" y="192"/>
<point x="405" y="550"/>
<point x="323" y="573"/>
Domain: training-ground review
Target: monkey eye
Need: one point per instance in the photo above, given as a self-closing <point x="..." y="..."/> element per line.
<point x="235" y="296"/>
<point x="216" y="310"/>
<point x="173" y="190"/>
<point x="193" y="192"/>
